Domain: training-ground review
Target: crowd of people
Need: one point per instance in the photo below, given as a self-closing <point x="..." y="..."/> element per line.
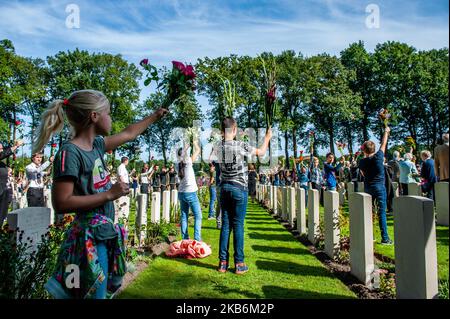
<point x="81" y="183"/>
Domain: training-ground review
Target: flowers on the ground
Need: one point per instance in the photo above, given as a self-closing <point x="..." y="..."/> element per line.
<point x="176" y="83"/>
<point x="17" y="123"/>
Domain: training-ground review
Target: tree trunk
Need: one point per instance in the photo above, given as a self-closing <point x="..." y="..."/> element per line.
<point x="349" y="139"/>
<point x="365" y="125"/>
<point x="331" y="141"/>
<point x="14" y="126"/>
<point x="294" y="141"/>
<point x="286" y="150"/>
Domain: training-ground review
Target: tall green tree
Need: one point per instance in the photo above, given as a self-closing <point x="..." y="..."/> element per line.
<point x="332" y="100"/>
<point x="110" y="74"/>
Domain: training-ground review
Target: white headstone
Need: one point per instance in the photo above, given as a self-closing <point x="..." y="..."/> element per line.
<point x="313" y="215"/>
<point x="331" y="223"/>
<point x="416" y="272"/>
<point x="174" y="202"/>
<point x="395" y="189"/>
<point x="301" y="211"/>
<point x="270" y="195"/>
<point x="441" y="196"/>
<point x="361" y="237"/>
<point x="141" y="215"/>
<point x="275" y="199"/>
<point x="341" y="192"/>
<point x="360" y="187"/>
<point x="280" y="201"/>
<point x="292" y="210"/>
<point x="350" y="188"/>
<point x="284" y="203"/>
<point x="48" y="203"/>
<point x="166" y="206"/>
<point x="33" y="221"/>
<point x="156" y="207"/>
<point x="414" y="189"/>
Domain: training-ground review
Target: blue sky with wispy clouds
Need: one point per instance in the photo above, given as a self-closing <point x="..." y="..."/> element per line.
<point x="185" y="30"/>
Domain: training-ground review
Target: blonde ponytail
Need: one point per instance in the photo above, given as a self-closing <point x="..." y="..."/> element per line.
<point x="52" y="122"/>
<point x="77" y="107"/>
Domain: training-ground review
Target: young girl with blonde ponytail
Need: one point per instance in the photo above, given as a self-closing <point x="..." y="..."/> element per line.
<point x="94" y="246"/>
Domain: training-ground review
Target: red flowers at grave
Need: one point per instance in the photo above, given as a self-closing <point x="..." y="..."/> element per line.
<point x="109" y="152"/>
<point x="17" y="123"/>
<point x="54" y="145"/>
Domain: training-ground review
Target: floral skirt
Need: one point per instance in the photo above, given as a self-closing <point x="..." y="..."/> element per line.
<point x="78" y="273"/>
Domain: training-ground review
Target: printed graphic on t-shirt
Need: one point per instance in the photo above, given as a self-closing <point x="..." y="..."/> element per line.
<point x="100" y="176"/>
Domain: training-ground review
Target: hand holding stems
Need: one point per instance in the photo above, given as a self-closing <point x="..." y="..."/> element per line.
<point x="17" y="144"/>
<point x="118" y="190"/>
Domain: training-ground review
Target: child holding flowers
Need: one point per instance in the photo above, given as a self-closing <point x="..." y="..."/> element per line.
<point x="230" y="155"/>
<point x="82" y="186"/>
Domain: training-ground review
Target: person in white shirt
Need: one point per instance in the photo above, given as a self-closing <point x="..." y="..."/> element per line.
<point x="122" y="172"/>
<point x="146" y="171"/>
<point x="187" y="191"/>
<point x="35" y="173"/>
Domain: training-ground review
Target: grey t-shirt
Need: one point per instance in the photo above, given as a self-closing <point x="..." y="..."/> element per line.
<point x="87" y="169"/>
<point x="231" y="157"/>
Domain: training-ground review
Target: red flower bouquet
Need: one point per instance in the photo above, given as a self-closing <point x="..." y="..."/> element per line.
<point x="176" y="83"/>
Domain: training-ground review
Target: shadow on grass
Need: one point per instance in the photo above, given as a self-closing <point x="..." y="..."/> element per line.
<point x="442" y="236"/>
<point x="191" y="262"/>
<point x="263" y="229"/>
<point x="271" y="237"/>
<point x="259" y="223"/>
<point x="281" y="250"/>
<point x="277" y="292"/>
<point x="291" y="268"/>
<point x="227" y="290"/>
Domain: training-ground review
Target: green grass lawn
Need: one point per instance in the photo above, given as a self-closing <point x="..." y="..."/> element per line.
<point x="442" y="237"/>
<point x="280" y="267"/>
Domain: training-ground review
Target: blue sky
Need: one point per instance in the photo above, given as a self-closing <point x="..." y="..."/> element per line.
<point x="186" y="30"/>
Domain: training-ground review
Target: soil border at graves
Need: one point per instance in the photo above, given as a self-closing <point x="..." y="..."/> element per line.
<point x="340" y="270"/>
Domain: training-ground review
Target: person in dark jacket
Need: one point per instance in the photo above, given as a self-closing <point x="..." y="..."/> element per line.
<point x="427" y="174"/>
<point x="5" y="153"/>
<point x="388" y="177"/>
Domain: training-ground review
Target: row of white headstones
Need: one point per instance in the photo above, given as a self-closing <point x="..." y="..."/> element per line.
<point x="34" y="221"/>
<point x="414" y="230"/>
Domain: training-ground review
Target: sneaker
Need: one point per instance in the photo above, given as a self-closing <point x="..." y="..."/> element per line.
<point x="241" y="268"/>
<point x="223" y="266"/>
<point x="387" y="242"/>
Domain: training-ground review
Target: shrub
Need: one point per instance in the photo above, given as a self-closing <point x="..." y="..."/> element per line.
<point x="158" y="232"/>
<point x="24" y="272"/>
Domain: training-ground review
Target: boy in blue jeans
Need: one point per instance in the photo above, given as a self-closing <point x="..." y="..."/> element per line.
<point x="234" y="192"/>
<point x="372" y="168"/>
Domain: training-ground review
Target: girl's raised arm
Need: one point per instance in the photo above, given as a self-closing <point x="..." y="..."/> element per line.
<point x="134" y="130"/>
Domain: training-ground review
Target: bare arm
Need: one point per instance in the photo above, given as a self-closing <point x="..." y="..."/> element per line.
<point x="385" y="139"/>
<point x="64" y="201"/>
<point x="196" y="151"/>
<point x="263" y="148"/>
<point x="134" y="130"/>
